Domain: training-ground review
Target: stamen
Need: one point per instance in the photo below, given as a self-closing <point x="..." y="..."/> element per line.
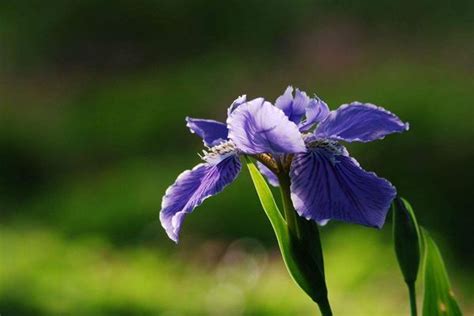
<point x="268" y="161"/>
<point x="287" y="161"/>
<point x="219" y="152"/>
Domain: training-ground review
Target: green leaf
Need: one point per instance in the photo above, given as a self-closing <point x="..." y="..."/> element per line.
<point x="291" y="257"/>
<point x="268" y="202"/>
<point x="439" y="298"/>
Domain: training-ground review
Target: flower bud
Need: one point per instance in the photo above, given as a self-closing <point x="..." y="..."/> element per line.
<point x="406" y="237"/>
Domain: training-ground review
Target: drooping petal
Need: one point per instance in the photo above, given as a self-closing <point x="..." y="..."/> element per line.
<point x="240" y="100"/>
<point x="293" y="107"/>
<point x="191" y="188"/>
<point x="327" y="185"/>
<point x="271" y="177"/>
<point x="212" y="132"/>
<point x="258" y="127"/>
<point x="316" y="111"/>
<point x="360" y="122"/>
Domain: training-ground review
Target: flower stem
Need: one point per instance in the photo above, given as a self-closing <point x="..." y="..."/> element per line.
<point x="307" y="239"/>
<point x="412" y="294"/>
<point x="290" y="213"/>
<point x="324" y="307"/>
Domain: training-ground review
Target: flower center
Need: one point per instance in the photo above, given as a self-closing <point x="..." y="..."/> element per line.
<point x="330" y="145"/>
<point x="219" y="152"/>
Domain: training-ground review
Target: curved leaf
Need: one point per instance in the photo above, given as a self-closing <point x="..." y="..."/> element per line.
<point x="292" y="258"/>
<point x="439" y="298"/>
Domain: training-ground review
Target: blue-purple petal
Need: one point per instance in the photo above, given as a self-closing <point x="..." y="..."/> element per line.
<point x="212" y="132"/>
<point x="360" y="122"/>
<point x="271" y="177"/>
<point x="316" y="111"/>
<point x="258" y="127"/>
<point x="191" y="188"/>
<point x="293" y="107"/>
<point x="326" y="186"/>
<point x="240" y="100"/>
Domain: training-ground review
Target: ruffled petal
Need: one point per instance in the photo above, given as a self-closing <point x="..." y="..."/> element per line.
<point x="271" y="177"/>
<point x="293" y="107"/>
<point x="258" y="127"/>
<point x="316" y="111"/>
<point x="360" y="122"/>
<point x="191" y="188"/>
<point x="212" y="132"/>
<point x="326" y="185"/>
<point x="240" y="100"/>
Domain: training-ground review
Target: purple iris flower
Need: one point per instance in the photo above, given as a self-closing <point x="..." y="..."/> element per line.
<point x="326" y="183"/>
<point x="256" y="126"/>
<point x="297" y="136"/>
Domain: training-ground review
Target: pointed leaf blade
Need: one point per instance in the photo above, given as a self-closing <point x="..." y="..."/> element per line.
<point x="438" y="298"/>
<point x="281" y="230"/>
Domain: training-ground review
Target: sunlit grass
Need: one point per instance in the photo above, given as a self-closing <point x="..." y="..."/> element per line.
<point x="42" y="273"/>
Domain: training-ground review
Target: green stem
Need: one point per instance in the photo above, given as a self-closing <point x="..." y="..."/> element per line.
<point x="290" y="214"/>
<point x="412" y="294"/>
<point x="308" y="239"/>
<point x="324" y="307"/>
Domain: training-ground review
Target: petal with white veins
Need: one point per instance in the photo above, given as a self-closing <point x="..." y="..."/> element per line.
<point x="316" y="112"/>
<point x="212" y="132"/>
<point x="293" y="107"/>
<point x="361" y="122"/>
<point x="191" y="188"/>
<point x="258" y="127"/>
<point x="326" y="186"/>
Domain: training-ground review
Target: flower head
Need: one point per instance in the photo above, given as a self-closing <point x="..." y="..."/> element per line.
<point x="327" y="183"/>
<point x="298" y="136"/>
<point x="253" y="127"/>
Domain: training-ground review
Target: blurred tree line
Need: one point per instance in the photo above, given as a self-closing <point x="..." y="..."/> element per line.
<point x="129" y="33"/>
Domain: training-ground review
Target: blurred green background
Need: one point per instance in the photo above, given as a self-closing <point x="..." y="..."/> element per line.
<point x="93" y="96"/>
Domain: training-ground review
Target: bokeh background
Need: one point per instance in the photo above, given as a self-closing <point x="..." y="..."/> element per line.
<point x="93" y="96"/>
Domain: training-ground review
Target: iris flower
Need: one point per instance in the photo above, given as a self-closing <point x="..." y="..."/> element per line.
<point x="256" y="125"/>
<point x="297" y="136"/>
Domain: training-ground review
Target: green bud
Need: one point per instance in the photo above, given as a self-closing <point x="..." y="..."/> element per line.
<point x="406" y="236"/>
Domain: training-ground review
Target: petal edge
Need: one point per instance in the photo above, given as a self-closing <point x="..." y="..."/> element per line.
<point x="361" y="122"/>
<point x="325" y="186"/>
<point x="191" y="188"/>
<point x="258" y="127"/>
<point x="212" y="132"/>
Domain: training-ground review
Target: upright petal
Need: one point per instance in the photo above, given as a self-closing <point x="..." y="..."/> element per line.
<point x="360" y="122"/>
<point x="316" y="111"/>
<point x="212" y="132"/>
<point x="271" y="177"/>
<point x="293" y="107"/>
<point x="258" y="127"/>
<point x="240" y="100"/>
<point x="191" y="188"/>
<point x="326" y="185"/>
